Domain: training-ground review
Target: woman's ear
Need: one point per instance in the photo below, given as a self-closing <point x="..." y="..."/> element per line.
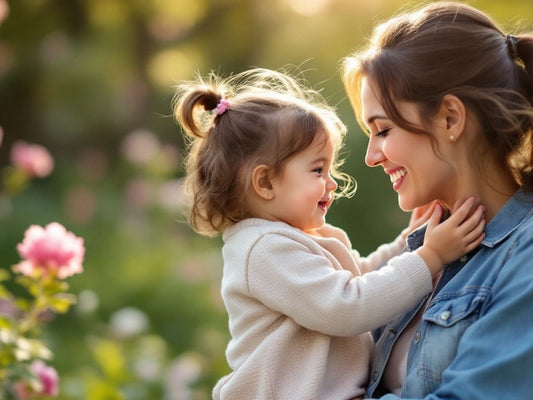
<point x="261" y="182"/>
<point x="454" y="112"/>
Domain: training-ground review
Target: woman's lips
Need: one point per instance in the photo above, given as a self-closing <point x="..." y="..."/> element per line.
<point x="396" y="177"/>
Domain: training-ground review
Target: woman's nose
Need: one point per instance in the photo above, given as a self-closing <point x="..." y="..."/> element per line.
<point x="374" y="156"/>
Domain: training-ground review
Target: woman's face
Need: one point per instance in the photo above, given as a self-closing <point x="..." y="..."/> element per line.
<point x="417" y="174"/>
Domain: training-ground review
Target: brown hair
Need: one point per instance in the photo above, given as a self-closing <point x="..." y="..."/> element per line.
<point x="452" y="48"/>
<point x="271" y="117"/>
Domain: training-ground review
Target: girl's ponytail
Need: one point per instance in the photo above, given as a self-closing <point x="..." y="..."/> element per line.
<point x="190" y="97"/>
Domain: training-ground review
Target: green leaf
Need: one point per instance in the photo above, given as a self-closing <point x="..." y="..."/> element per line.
<point x="4" y="275"/>
<point x="61" y="302"/>
<point x="5" y="323"/>
<point x="23" y="304"/>
<point x="98" y="389"/>
<point x="15" y="180"/>
<point x="109" y="355"/>
<point x="4" y="293"/>
<point x="53" y="286"/>
<point x="25" y="281"/>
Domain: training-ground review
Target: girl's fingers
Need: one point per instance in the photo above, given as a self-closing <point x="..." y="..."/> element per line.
<point x="475" y="243"/>
<point x="476" y="232"/>
<point x="473" y="221"/>
<point x="435" y="216"/>
<point x="461" y="213"/>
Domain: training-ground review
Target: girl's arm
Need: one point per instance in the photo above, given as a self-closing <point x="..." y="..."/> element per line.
<point x="289" y="277"/>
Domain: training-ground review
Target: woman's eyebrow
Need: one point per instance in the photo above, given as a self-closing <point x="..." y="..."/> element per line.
<point x="374" y="117"/>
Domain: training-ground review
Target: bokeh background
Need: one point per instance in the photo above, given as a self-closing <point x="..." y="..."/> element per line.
<point x="93" y="81"/>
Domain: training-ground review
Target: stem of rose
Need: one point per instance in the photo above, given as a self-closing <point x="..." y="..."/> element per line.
<point x="38" y="306"/>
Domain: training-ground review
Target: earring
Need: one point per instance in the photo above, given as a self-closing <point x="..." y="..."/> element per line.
<point x="452" y="138"/>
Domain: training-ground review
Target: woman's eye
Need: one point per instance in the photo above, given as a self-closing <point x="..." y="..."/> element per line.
<point x="383" y="132"/>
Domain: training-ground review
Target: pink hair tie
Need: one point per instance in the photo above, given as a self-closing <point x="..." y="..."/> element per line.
<point x="222" y="106"/>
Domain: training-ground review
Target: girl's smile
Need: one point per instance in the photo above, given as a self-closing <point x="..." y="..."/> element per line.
<point x="304" y="190"/>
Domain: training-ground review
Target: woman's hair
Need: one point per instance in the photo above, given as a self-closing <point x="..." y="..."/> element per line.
<point x="452" y="48"/>
<point x="256" y="117"/>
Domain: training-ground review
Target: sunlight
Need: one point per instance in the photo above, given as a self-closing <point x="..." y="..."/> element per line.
<point x="308" y="7"/>
<point x="171" y="65"/>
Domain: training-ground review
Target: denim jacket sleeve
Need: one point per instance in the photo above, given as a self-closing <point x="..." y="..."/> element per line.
<point x="475" y="340"/>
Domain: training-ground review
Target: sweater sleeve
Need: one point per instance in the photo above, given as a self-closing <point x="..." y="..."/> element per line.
<point x="288" y="277"/>
<point x="381" y="255"/>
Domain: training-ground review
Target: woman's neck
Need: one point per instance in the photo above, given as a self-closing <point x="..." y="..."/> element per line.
<point x="493" y="193"/>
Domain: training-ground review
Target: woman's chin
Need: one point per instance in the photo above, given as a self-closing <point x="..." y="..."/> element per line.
<point x="405" y="205"/>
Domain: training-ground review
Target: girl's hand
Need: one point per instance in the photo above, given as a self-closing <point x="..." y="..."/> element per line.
<point x="461" y="233"/>
<point x="419" y="216"/>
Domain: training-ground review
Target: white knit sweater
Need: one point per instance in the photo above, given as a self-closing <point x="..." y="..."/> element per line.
<point x="300" y="308"/>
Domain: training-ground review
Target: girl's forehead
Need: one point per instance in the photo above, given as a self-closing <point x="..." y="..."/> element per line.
<point x="324" y="143"/>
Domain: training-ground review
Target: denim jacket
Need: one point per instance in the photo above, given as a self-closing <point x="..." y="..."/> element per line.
<point x="475" y="339"/>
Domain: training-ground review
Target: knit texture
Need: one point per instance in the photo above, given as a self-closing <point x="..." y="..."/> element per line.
<point x="300" y="308"/>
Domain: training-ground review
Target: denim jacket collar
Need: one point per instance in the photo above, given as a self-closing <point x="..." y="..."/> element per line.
<point x="516" y="210"/>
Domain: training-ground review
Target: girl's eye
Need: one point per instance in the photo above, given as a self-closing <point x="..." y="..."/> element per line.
<point x="383" y="132"/>
<point x="319" y="171"/>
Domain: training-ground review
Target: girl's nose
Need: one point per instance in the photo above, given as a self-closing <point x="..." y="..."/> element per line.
<point x="331" y="184"/>
<point x="374" y="156"/>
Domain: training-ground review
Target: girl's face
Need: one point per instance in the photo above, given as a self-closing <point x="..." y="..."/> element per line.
<point x="304" y="190"/>
<point x="415" y="171"/>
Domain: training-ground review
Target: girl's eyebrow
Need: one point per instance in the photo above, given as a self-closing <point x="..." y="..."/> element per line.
<point x="319" y="159"/>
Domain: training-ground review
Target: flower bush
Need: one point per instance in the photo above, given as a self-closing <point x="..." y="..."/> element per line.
<point x="49" y="255"/>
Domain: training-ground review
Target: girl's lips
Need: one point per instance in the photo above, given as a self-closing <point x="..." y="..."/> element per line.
<point x="324" y="204"/>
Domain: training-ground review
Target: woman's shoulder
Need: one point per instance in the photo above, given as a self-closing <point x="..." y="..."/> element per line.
<point x="513" y="221"/>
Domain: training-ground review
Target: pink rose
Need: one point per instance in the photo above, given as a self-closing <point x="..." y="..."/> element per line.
<point x="33" y="159"/>
<point x="4" y="10"/>
<point x="48" y="382"/>
<point x="52" y="249"/>
<point x="48" y="377"/>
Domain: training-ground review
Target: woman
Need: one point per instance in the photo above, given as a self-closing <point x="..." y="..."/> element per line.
<point x="446" y="99"/>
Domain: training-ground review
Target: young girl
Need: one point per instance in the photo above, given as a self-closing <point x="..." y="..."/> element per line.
<point x="300" y="302"/>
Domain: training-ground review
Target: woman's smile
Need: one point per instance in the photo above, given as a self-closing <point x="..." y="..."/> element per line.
<point x="396" y="177"/>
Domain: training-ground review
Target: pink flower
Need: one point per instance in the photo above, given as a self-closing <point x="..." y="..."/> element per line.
<point x="48" y="377"/>
<point x="52" y="249"/>
<point x="34" y="159"/>
<point x="4" y="10"/>
<point x="47" y="384"/>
